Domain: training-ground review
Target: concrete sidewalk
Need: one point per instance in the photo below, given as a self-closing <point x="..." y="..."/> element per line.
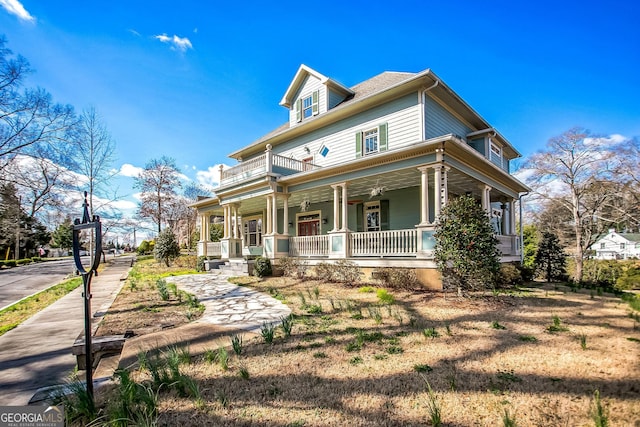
<point x="37" y="353"/>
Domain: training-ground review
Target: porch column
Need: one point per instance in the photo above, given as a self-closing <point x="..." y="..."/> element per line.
<point x="227" y="220"/>
<point x="444" y="193"/>
<point x="268" y="224"/>
<point x="235" y="221"/>
<point x="512" y="217"/>
<point x="486" y="198"/>
<point x="344" y="207"/>
<point x="336" y="208"/>
<point x="505" y="222"/>
<point x="274" y="213"/>
<point x="437" y="190"/>
<point x="424" y="196"/>
<point x="285" y="214"/>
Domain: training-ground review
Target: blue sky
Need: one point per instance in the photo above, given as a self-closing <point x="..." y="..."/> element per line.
<point x="196" y="80"/>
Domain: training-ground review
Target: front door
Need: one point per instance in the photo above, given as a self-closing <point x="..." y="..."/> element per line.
<point x="309" y="228"/>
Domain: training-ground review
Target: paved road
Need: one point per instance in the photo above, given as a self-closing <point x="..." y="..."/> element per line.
<point x="19" y="282"/>
<point x="38" y="352"/>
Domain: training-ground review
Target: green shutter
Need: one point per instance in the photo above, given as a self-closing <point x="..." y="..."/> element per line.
<point x="299" y="110"/>
<point x="358" y="144"/>
<point x="384" y="215"/>
<point x="360" y="217"/>
<point x="382" y="133"/>
<point x="314" y="99"/>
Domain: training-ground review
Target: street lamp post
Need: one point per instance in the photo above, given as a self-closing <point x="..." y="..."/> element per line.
<point x="94" y="226"/>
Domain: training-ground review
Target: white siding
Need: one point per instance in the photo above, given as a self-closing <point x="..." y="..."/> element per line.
<point x="439" y="121"/>
<point x="334" y="99"/>
<point x="307" y="88"/>
<point x="403" y="124"/>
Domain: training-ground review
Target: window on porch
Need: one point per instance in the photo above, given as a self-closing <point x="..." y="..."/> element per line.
<point x="253" y="232"/>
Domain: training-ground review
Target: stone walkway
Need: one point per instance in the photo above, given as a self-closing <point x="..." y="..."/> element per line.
<point x="231" y="305"/>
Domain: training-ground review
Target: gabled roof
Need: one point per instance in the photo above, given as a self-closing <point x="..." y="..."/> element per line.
<point x="374" y="91"/>
<point x="301" y="75"/>
<point x="632" y="237"/>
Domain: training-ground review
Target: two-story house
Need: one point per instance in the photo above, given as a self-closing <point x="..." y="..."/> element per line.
<point x="616" y="245"/>
<point x="361" y="173"/>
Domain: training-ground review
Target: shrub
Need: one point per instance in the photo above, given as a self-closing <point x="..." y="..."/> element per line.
<point x="166" y="248"/>
<point x="466" y="251"/>
<point x="262" y="267"/>
<point x="603" y="273"/>
<point x="200" y="263"/>
<point x="510" y="276"/>
<point x="346" y="272"/>
<point x="24" y="261"/>
<point x="398" y="278"/>
<point x="161" y="284"/>
<point x="10" y="263"/>
<point x="384" y="296"/>
<point x="293" y="267"/>
<point x="629" y="280"/>
<point x="324" y="271"/>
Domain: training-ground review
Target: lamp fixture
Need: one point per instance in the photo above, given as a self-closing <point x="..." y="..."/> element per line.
<point x="325" y="220"/>
<point x="304" y="205"/>
<point x="377" y="190"/>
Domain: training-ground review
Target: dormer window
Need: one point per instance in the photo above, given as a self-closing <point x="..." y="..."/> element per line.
<point x="496" y="154"/>
<point x="307" y="106"/>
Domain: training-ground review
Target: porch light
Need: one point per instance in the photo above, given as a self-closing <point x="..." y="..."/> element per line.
<point x="304" y="205"/>
<point x="377" y="190"/>
<point x="290" y="223"/>
<point x="325" y="220"/>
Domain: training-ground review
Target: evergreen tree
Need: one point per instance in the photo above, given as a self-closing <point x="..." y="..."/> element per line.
<point x="530" y="243"/>
<point x="550" y="257"/>
<point x="466" y="251"/>
<point x="167" y="248"/>
<point x="62" y="236"/>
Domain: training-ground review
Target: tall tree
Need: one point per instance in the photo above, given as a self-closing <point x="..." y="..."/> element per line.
<point x="94" y="154"/>
<point x="466" y="252"/>
<point x="158" y="184"/>
<point x="574" y="174"/>
<point x="27" y="116"/>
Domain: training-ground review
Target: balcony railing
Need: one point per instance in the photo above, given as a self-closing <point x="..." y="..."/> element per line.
<point x="309" y="246"/>
<point x="384" y="243"/>
<point x="265" y="163"/>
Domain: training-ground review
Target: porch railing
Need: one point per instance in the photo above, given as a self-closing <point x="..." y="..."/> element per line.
<point x="309" y="246"/>
<point x="291" y="164"/>
<point x="509" y="245"/>
<point x="384" y="243"/>
<point x="214" y="249"/>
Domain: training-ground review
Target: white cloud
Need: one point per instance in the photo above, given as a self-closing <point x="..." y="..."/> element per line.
<point x="16" y="8"/>
<point x="210" y="178"/>
<point x="605" y="141"/>
<point x="178" y="43"/>
<point x="134" y="32"/>
<point x="130" y="170"/>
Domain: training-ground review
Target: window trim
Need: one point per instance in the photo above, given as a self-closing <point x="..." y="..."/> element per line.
<point x="371" y="131"/>
<point x="376" y="207"/>
<point x="382" y="130"/>
<point x="259" y="234"/>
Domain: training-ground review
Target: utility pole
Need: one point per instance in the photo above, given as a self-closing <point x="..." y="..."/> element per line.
<point x="16" y="255"/>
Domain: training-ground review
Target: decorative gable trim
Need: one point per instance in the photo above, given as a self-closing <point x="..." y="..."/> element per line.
<point x="289" y="96"/>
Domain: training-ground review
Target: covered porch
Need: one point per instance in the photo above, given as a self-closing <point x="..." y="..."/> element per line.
<point x="384" y="212"/>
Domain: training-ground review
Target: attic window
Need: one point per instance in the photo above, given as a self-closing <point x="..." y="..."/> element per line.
<point x="307" y="106"/>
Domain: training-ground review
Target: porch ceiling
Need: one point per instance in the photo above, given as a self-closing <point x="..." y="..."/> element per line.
<point x="359" y="189"/>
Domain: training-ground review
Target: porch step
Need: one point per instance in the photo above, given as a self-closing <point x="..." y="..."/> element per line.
<point x="237" y="267"/>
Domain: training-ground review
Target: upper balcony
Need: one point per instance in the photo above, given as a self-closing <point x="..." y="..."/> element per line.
<point x="267" y="163"/>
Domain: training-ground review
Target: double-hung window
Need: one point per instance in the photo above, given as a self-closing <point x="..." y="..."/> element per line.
<point x="371" y="141"/>
<point x="307" y="107"/>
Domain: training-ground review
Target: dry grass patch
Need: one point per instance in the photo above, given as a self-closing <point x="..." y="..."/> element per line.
<point x="140" y="306"/>
<point x="351" y="359"/>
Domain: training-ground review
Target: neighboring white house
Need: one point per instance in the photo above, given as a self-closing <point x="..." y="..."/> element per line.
<point x="362" y="173"/>
<point x="618" y="246"/>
